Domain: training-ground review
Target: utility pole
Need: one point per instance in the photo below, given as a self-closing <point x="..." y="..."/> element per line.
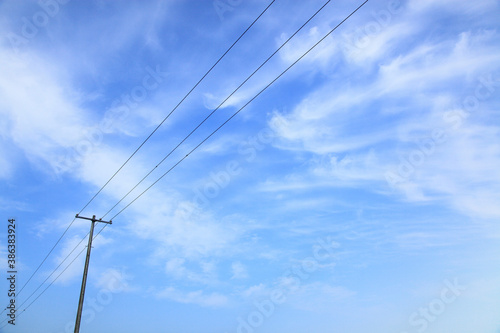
<point x="86" y="268"/>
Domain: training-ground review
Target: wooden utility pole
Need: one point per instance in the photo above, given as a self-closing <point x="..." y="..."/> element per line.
<point x="85" y="270"/>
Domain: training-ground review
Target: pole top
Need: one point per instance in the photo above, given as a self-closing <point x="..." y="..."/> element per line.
<point x="93" y="219"/>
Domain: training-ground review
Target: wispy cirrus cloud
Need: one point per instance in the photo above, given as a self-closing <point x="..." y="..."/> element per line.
<point x="359" y="130"/>
<point x="198" y="297"/>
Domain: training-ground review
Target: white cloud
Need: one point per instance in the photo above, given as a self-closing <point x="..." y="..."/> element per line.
<point x="460" y="169"/>
<point x="183" y="229"/>
<point x="239" y="270"/>
<point x="428" y="66"/>
<point x="205" y="273"/>
<point x="322" y="55"/>
<point x="43" y="119"/>
<point x="194" y="297"/>
<point x="6" y="164"/>
<point x="46" y="122"/>
<point x="176" y="268"/>
<point x="452" y="6"/>
<point x="114" y="280"/>
<point x="356" y="137"/>
<point x="258" y="291"/>
<point x="74" y="271"/>
<point x="9" y="204"/>
<point x="315" y="296"/>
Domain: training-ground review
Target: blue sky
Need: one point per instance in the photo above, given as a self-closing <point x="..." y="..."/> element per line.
<point x="359" y="193"/>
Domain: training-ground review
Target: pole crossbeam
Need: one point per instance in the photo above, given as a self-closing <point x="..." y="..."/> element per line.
<point x="86" y="268"/>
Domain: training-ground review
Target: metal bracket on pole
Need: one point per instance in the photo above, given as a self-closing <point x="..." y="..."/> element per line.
<point x="86" y="268"/>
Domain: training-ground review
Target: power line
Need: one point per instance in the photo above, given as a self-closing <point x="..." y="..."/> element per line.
<point x="238" y="111"/>
<point x="53" y="271"/>
<point x="175" y="108"/>
<point x="43" y="261"/>
<point x="217" y="108"/>
<point x="64" y="270"/>
<point x="48" y="277"/>
<point x="208" y="137"/>
<point x="142" y="144"/>
<point x="57" y="277"/>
